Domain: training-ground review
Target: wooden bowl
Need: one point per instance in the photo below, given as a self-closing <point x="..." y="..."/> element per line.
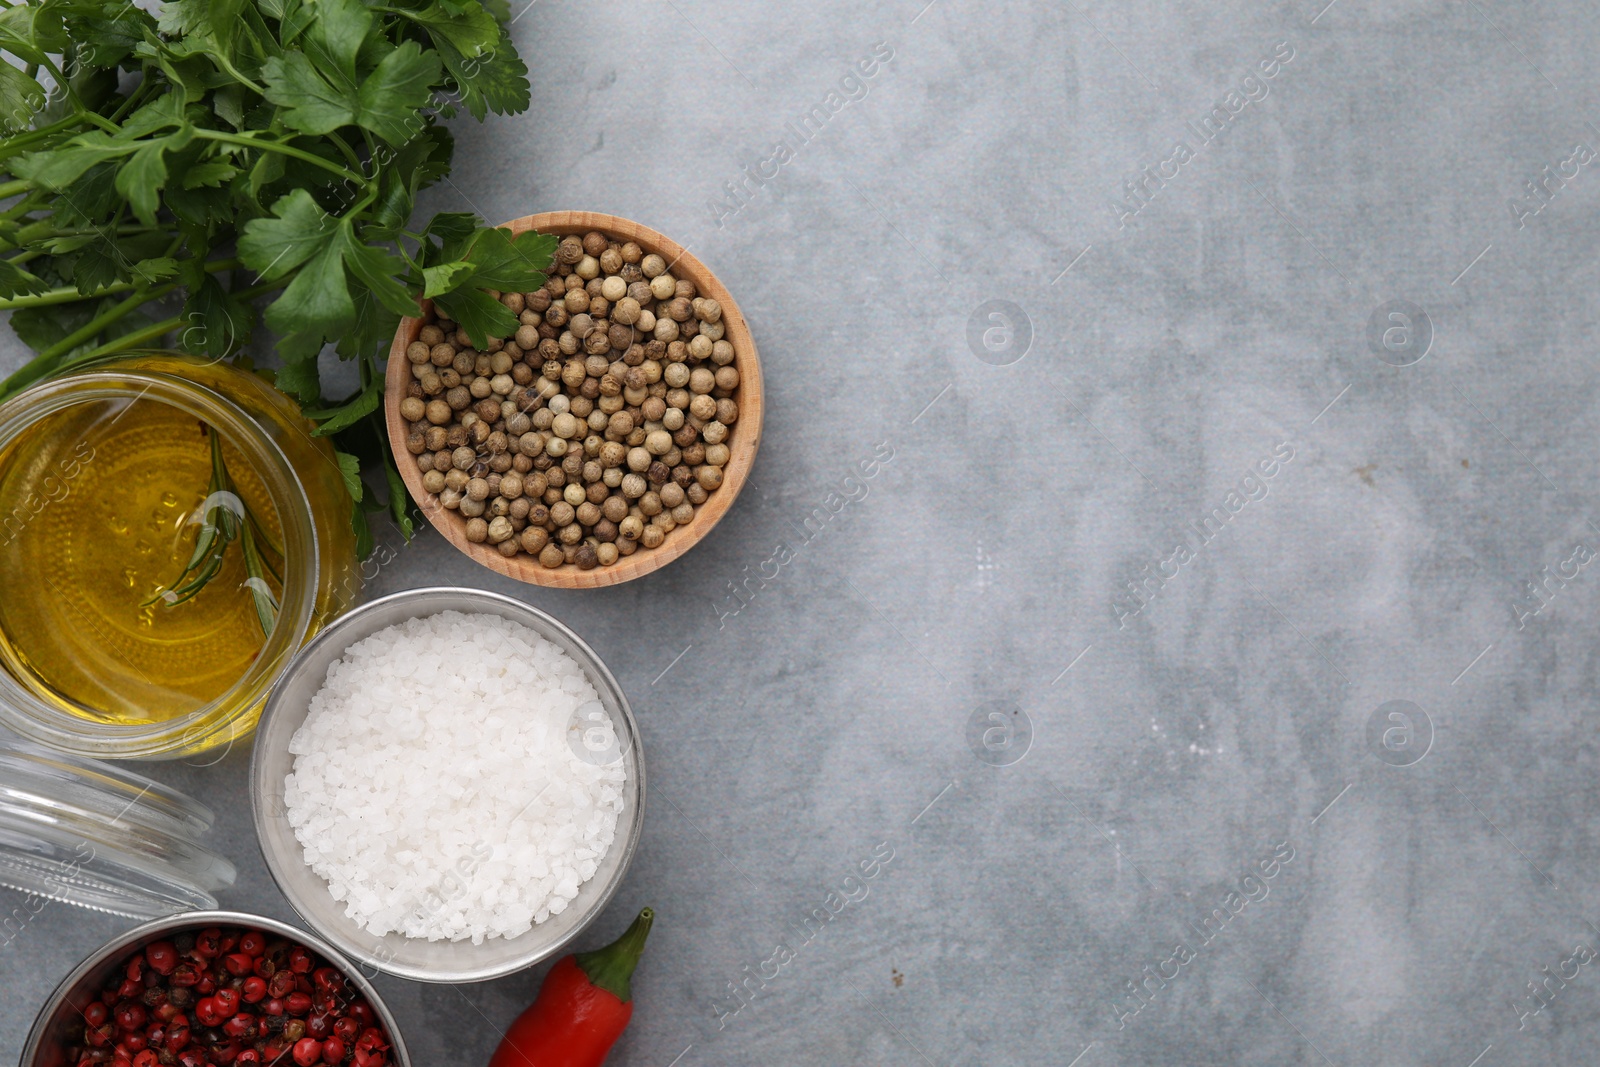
<point x="743" y="437"/>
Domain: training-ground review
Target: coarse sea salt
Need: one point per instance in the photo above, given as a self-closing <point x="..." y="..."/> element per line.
<point x="448" y="783"/>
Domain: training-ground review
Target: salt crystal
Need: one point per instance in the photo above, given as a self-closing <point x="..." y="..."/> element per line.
<point x="435" y="744"/>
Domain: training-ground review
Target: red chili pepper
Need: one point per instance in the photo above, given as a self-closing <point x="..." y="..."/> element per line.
<point x="582" y="1007"/>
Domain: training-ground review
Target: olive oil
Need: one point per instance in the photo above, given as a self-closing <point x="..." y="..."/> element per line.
<point x="100" y="506"/>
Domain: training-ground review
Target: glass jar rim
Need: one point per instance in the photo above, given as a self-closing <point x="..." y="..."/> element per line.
<point x="37" y="719"/>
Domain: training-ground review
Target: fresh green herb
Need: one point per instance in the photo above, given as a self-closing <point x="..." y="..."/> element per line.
<point x="227" y="518"/>
<point x="181" y="172"/>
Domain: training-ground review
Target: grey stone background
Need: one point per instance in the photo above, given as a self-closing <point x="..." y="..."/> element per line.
<point x="1175" y="747"/>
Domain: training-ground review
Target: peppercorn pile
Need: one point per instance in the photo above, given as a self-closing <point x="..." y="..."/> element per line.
<point x="597" y="429"/>
<point x="226" y="997"/>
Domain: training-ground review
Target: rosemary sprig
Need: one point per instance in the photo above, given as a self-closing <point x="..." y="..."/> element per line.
<point x="226" y="519"/>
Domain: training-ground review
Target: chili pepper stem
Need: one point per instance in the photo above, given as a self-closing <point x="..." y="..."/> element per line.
<point x="611" y="968"/>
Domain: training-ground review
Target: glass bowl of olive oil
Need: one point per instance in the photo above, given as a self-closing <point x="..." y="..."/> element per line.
<point x="170" y="534"/>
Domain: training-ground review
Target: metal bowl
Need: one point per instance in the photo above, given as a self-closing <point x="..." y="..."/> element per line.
<point x="415" y="958"/>
<point x="44" y="1047"/>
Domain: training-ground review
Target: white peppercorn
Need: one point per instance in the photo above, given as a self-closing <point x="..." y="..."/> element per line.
<point x="603" y="416"/>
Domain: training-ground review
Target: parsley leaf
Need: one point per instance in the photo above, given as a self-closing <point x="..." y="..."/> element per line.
<point x="313" y="105"/>
<point x="273" y="247"/>
<point x="318" y="300"/>
<point x="394" y="93"/>
<point x="230" y="155"/>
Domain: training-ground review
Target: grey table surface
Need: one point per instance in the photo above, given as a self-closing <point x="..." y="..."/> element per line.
<point x="1371" y="274"/>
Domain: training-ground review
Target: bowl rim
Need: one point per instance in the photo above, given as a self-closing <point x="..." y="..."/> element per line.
<point x="148" y="931"/>
<point x="593" y="666"/>
<point x="744" y="441"/>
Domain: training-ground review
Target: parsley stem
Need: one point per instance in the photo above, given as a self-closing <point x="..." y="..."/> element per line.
<point x="68" y="295"/>
<point x="47" y="360"/>
<point x="349" y="153"/>
<point x="12" y="188"/>
<point x="281" y="149"/>
<point x="132" y="99"/>
<point x="221" y="60"/>
<point x="23" y="206"/>
<point x="15" y="144"/>
<point x="154" y="331"/>
<point x="132" y="340"/>
<point x="66" y="86"/>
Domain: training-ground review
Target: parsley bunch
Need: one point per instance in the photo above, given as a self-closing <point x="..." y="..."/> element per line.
<point x="172" y="180"/>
